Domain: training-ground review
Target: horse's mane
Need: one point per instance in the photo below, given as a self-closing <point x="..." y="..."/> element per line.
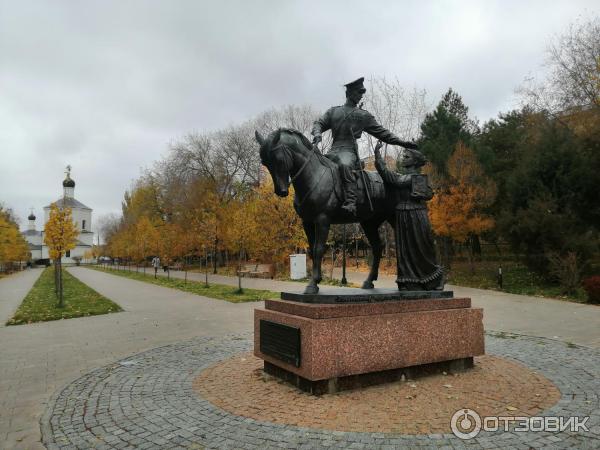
<point x="273" y="139"/>
<point x="297" y="133"/>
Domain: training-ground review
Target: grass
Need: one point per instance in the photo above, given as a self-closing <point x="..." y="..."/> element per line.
<point x="40" y="304"/>
<point x="218" y="291"/>
<point x="231" y="271"/>
<point x="517" y="279"/>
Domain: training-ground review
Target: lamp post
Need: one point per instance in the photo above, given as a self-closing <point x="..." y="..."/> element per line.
<point x="344" y="281"/>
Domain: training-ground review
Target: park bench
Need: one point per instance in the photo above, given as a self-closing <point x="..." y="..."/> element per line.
<point x="256" y="270"/>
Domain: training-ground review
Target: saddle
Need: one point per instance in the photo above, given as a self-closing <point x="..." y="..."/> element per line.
<point x="373" y="180"/>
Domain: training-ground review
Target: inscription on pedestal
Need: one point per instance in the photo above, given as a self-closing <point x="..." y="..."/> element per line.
<point x="280" y="341"/>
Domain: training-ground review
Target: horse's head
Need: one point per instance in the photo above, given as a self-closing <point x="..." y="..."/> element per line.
<point x="276" y="157"/>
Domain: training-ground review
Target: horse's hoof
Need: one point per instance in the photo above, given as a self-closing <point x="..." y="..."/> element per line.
<point x="368" y="285"/>
<point x="311" y="289"/>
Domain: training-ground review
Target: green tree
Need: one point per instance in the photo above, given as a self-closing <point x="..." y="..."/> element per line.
<point x="552" y="195"/>
<point x="442" y="129"/>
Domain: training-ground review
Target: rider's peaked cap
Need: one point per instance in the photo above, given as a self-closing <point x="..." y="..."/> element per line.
<point x="356" y="84"/>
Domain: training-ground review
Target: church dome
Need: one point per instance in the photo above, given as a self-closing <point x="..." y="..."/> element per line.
<point x="31" y="217"/>
<point x="68" y="182"/>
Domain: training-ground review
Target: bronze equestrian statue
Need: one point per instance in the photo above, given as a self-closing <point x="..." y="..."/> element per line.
<point x="327" y="190"/>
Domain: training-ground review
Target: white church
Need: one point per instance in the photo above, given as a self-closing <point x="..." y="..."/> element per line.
<point x="82" y="216"/>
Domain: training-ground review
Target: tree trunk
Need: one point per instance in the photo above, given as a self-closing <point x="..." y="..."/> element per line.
<point x="476" y="246"/>
<point x="215" y="256"/>
<point x="470" y="255"/>
<point x="332" y="262"/>
<point x="61" y="302"/>
<point x="56" y="278"/>
<point x="446" y="252"/>
<point x="205" y="268"/>
<point x="239" y="271"/>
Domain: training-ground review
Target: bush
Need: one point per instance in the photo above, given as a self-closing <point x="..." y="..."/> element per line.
<point x="566" y="270"/>
<point x="592" y="287"/>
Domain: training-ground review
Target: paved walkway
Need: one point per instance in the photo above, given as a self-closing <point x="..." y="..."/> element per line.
<point x="522" y="314"/>
<point x="13" y="289"/>
<point x="37" y="359"/>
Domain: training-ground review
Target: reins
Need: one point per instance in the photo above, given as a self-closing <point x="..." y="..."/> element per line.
<point x="297" y="174"/>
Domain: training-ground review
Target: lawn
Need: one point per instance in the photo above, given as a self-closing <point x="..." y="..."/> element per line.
<point x="80" y="300"/>
<point x="218" y="291"/>
<point x="231" y="271"/>
<point x="517" y="279"/>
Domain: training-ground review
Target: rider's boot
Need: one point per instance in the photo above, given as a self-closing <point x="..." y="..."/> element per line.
<point x="348" y="185"/>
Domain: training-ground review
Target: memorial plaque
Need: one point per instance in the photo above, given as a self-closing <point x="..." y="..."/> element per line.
<point x="280" y="341"/>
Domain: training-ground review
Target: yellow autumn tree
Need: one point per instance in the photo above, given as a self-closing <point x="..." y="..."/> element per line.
<point x="60" y="235"/>
<point x="122" y="244"/>
<point x="278" y="229"/>
<point x="240" y="236"/>
<point x="171" y="243"/>
<point x="145" y="239"/>
<point x="13" y="247"/>
<point x="457" y="209"/>
<point x="200" y="215"/>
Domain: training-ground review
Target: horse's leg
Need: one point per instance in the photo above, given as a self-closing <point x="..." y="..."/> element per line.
<point x="371" y="229"/>
<point x="309" y="230"/>
<point x="321" y="230"/>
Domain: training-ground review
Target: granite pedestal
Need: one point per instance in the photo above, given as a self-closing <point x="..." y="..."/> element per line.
<point x="329" y="347"/>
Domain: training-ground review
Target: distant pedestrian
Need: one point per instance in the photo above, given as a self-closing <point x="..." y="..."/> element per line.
<point x="155" y="264"/>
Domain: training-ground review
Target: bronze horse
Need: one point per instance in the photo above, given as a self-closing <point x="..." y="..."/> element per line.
<point x="291" y="159"/>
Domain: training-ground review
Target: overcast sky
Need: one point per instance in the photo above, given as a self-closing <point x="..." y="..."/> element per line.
<point x="106" y="85"/>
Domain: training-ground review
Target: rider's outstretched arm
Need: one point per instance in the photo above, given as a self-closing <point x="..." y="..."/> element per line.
<point x="373" y="127"/>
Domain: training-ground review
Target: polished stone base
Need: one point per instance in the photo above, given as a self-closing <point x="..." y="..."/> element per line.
<point x="325" y="342"/>
<point x="354" y="295"/>
<point x="333" y="385"/>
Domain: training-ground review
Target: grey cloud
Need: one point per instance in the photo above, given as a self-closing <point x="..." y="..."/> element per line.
<point x="106" y="85"/>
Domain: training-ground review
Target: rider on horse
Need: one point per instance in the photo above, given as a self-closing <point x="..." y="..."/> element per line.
<point x="347" y="122"/>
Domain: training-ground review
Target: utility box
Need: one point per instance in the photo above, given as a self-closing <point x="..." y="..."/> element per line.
<point x="298" y="266"/>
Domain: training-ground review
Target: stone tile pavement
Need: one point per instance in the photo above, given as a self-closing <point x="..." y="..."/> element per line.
<point x="147" y="401"/>
<point x="12" y="290"/>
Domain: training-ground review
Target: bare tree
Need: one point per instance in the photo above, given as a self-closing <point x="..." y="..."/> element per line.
<point x="108" y="225"/>
<point x="398" y="109"/>
<point x="300" y="118"/>
<point x="573" y="64"/>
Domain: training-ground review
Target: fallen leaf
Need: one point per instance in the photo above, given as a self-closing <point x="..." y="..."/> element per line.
<point x="447" y="385"/>
<point x="511" y="408"/>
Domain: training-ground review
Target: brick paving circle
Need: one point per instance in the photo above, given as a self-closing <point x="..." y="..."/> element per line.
<point x="423" y="406"/>
<point x="148" y="401"/>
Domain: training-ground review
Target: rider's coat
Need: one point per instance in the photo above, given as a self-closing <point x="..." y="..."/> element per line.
<point x="347" y="123"/>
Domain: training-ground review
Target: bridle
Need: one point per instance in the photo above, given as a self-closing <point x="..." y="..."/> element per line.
<point x="297" y="174"/>
<point x="289" y="154"/>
